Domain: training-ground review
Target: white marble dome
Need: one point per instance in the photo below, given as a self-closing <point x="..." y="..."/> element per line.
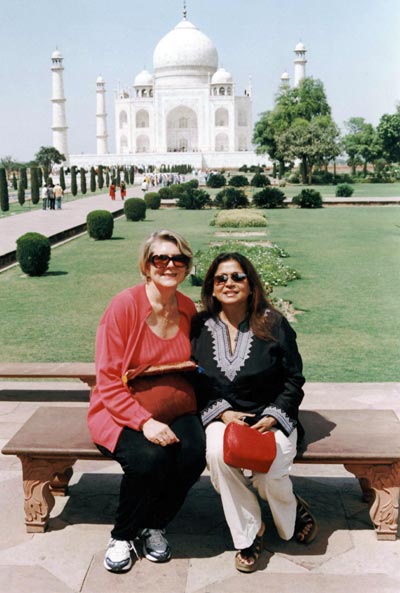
<point x="300" y="47"/>
<point x="100" y="80"/>
<point x="56" y="55"/>
<point x="185" y="47"/>
<point x="222" y="76"/>
<point x="144" y="78"/>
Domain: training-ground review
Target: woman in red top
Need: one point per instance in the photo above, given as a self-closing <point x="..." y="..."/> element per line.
<point x="112" y="190"/>
<point x="146" y="325"/>
<point x="122" y="188"/>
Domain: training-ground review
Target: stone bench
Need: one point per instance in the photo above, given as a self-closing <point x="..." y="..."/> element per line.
<point x="366" y="442"/>
<point x="84" y="371"/>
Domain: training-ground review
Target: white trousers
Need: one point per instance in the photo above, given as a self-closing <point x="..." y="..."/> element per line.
<point x="241" y="506"/>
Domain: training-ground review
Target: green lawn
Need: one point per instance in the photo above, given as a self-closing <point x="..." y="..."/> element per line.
<point x="348" y="294"/>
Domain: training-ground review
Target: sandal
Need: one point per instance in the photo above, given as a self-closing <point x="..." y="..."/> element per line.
<point x="246" y="560"/>
<point x="306" y="526"/>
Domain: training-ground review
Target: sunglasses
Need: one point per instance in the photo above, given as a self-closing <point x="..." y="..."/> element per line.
<point x="235" y="276"/>
<point x="162" y="261"/>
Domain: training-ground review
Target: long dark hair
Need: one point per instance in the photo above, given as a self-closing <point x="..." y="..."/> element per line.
<point x="258" y="302"/>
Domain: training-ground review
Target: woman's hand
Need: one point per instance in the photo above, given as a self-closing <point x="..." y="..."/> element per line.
<point x="265" y="424"/>
<point x="159" y="433"/>
<point x="236" y="417"/>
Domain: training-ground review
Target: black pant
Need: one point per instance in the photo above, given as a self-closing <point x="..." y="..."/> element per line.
<point x="156" y="479"/>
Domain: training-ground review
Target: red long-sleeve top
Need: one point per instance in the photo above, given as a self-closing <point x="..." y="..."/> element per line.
<point x="119" y="345"/>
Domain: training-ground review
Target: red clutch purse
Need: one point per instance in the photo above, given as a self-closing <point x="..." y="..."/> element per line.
<point x="163" y="390"/>
<point x="247" y="448"/>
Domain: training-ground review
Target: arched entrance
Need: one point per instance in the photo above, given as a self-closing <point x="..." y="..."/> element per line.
<point x="182" y="130"/>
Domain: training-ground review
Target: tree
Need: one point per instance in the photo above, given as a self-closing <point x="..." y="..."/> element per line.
<point x="83" y="180"/>
<point x="24" y="177"/>
<point x="21" y="192"/>
<point x="92" y="180"/>
<point x="107" y="177"/>
<point x="131" y="175"/>
<point x="34" y="185"/>
<point x="9" y="163"/>
<point x="100" y="177"/>
<point x="305" y="102"/>
<point x="389" y="135"/>
<point x="312" y="142"/>
<point x="46" y="157"/>
<point x="361" y="143"/>
<point x="4" y="202"/>
<point x="62" y="178"/>
<point x="74" y="185"/>
<point x="14" y="182"/>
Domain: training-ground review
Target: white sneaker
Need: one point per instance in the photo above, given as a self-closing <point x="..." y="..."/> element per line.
<point x="118" y="556"/>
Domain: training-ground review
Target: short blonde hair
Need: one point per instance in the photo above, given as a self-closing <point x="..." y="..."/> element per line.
<point x="146" y="250"/>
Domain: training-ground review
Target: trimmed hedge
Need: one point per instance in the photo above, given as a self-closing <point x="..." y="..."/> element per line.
<point x="216" y="180"/>
<point x="238" y="181"/>
<point x="344" y="190"/>
<point x="230" y="198"/>
<point x="308" y="198"/>
<point x="239" y="219"/>
<point x="269" y="197"/>
<point x="193" y="199"/>
<point x="260" y="180"/>
<point x="100" y="224"/>
<point x="152" y="200"/>
<point x="33" y="253"/>
<point x="135" y="209"/>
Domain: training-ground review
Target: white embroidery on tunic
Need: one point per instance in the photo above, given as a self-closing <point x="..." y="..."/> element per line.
<point x="229" y="362"/>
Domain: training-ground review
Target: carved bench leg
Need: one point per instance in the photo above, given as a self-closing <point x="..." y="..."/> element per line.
<point x="383" y="481"/>
<point x="59" y="482"/>
<point x="37" y="476"/>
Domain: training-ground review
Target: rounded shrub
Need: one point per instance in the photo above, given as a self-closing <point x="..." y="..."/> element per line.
<point x="230" y="198"/>
<point x="308" y="198"/>
<point x="33" y="253"/>
<point x="269" y="197"/>
<point x="165" y="193"/>
<point x="152" y="200"/>
<point x="260" y="180"/>
<point x="344" y="190"/>
<point x="239" y="181"/>
<point x="100" y="224"/>
<point x="193" y="199"/>
<point x="135" y="209"/>
<point x="216" y="180"/>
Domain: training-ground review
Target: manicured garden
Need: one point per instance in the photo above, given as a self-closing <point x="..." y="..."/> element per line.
<point x="347" y="297"/>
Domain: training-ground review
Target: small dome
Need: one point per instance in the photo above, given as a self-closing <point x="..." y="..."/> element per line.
<point x="56" y="55"/>
<point x="222" y="76"/>
<point x="144" y="78"/>
<point x="185" y="47"/>
<point x="285" y="76"/>
<point x="300" y="47"/>
<point x="100" y="80"/>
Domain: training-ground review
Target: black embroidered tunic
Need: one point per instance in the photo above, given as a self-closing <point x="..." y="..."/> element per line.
<point x="259" y="376"/>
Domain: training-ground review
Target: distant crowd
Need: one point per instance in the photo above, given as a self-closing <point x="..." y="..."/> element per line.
<point x="52" y="196"/>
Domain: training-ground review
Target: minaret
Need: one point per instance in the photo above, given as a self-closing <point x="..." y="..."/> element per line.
<point x="285" y="80"/>
<point x="299" y="64"/>
<point x="101" y="117"/>
<point x="59" y="119"/>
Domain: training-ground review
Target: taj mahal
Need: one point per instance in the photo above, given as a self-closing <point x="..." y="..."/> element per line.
<point x="186" y="111"/>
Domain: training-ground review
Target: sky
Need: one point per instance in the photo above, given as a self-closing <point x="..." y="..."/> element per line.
<point x="353" y="47"/>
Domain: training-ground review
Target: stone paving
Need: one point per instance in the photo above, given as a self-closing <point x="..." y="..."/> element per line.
<point x="68" y="558"/>
<point x="51" y="222"/>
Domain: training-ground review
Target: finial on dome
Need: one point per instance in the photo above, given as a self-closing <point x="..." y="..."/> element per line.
<point x="184" y="10"/>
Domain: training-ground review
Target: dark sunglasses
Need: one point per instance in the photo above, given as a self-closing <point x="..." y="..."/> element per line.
<point x="235" y="276"/>
<point x="162" y="261"/>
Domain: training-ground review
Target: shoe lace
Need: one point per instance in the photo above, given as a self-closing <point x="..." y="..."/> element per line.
<point x="120" y="546"/>
<point x="156" y="536"/>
